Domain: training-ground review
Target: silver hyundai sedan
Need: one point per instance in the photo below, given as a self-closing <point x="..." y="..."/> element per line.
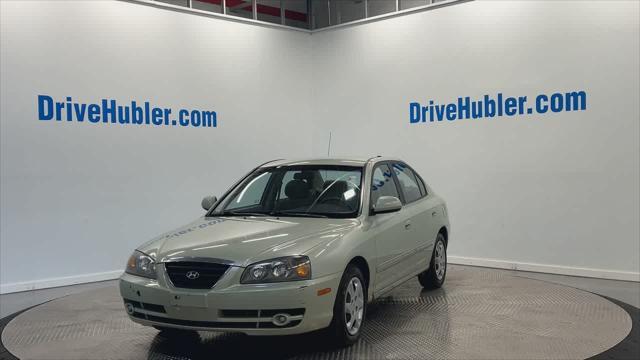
<point x="292" y="247"/>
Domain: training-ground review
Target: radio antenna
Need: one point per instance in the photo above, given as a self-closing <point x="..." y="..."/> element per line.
<point x="329" y="147"/>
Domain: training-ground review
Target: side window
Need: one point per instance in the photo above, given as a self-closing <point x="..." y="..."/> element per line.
<point x="382" y="183"/>
<point x="408" y="182"/>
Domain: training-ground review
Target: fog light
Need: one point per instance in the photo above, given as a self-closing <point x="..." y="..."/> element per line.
<point x="130" y="309"/>
<point x="280" y="319"/>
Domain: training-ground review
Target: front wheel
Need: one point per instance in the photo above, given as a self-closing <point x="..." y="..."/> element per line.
<point x="433" y="278"/>
<point x="349" y="309"/>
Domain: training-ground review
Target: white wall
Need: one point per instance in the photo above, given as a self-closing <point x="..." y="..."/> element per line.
<point x="554" y="192"/>
<point x="76" y="198"/>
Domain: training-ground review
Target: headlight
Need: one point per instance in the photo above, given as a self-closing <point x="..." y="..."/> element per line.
<point x="289" y="268"/>
<point x="141" y="265"/>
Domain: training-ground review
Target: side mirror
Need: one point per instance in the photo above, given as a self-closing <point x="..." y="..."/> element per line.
<point x="387" y="204"/>
<point x="208" y="202"/>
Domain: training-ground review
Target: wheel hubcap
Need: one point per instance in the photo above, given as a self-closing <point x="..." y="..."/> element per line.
<point x="440" y="260"/>
<point x="353" y="306"/>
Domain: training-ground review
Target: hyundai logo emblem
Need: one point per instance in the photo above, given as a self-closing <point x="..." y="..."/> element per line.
<point x="192" y="275"/>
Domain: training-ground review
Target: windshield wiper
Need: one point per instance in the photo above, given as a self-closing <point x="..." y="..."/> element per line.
<point x="242" y="213"/>
<point x="299" y="214"/>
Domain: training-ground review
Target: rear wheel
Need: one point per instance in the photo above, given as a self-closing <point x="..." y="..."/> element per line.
<point x="349" y="309"/>
<point x="433" y="278"/>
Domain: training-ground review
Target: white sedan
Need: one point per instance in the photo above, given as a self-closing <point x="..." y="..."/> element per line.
<point x="292" y="247"/>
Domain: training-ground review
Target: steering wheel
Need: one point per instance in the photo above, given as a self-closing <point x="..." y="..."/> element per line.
<point x="338" y="202"/>
<point x="334" y="200"/>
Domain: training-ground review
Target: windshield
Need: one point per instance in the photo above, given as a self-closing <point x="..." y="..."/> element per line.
<point x="309" y="191"/>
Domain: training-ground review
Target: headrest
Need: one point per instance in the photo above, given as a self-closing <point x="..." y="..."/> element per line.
<point x="313" y="177"/>
<point x="297" y="189"/>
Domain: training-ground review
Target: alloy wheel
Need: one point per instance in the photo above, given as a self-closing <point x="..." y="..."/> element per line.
<point x="354" y="306"/>
<point x="440" y="260"/>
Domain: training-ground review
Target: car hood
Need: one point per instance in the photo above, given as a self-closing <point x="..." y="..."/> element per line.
<point x="245" y="240"/>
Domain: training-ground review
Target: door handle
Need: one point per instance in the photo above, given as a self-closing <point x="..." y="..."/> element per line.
<point x="407" y="225"/>
<point x="434" y="213"/>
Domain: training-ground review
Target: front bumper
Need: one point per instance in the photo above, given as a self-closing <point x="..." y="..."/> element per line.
<point x="231" y="306"/>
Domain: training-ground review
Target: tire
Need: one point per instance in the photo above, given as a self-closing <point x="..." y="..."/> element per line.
<point x="346" y="325"/>
<point x="434" y="277"/>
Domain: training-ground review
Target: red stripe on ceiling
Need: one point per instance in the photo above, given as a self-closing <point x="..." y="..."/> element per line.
<point x="215" y="2"/>
<point x="295" y="15"/>
<point x="268" y="10"/>
<point x="262" y="9"/>
<point x="234" y="3"/>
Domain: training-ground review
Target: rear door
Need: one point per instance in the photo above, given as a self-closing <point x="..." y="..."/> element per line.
<point x="393" y="244"/>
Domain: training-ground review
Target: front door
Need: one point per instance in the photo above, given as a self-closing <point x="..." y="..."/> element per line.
<point x="420" y="210"/>
<point x="391" y="232"/>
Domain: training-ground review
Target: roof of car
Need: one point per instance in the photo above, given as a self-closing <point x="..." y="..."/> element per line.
<point x="324" y="161"/>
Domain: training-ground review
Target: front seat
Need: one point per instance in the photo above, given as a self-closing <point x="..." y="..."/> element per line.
<point x="312" y="177"/>
<point x="299" y="195"/>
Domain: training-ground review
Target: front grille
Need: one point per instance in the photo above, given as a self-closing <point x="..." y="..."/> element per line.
<point x="214" y="324"/>
<point x="260" y="313"/>
<point x="292" y="312"/>
<point x="208" y="274"/>
<point x="228" y="319"/>
<point x="210" y="324"/>
<point x="239" y="313"/>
